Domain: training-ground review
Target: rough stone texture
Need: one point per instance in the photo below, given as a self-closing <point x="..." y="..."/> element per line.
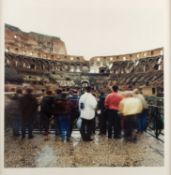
<point x="144" y="72"/>
<point x="17" y="40"/>
<point x="101" y="152"/>
<point x="42" y="59"/>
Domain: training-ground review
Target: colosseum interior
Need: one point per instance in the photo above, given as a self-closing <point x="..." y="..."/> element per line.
<point x="42" y="61"/>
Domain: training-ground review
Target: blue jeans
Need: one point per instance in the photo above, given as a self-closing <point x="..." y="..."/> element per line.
<point x="64" y="126"/>
<point x="142" y="121"/>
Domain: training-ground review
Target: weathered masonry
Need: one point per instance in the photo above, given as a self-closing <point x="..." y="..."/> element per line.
<point x="42" y="60"/>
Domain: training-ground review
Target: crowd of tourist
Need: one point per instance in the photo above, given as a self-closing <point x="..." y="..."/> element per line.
<point x="118" y="113"/>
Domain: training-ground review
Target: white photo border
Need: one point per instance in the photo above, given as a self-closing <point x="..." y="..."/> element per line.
<point x="165" y="170"/>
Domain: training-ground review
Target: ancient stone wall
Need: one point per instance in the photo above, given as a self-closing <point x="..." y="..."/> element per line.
<point x="42" y="60"/>
<point x="43" y="71"/>
<point x="17" y="41"/>
<point x="107" y="61"/>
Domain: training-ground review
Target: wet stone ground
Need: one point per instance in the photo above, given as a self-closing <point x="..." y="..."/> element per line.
<point x="100" y="152"/>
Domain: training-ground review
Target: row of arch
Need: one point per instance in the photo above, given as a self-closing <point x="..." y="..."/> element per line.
<point x="43" y="65"/>
<point x="121" y="67"/>
<point x="139" y="78"/>
<point x="141" y="65"/>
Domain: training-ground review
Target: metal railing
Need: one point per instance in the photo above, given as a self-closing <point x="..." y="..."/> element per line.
<point x="155" y="118"/>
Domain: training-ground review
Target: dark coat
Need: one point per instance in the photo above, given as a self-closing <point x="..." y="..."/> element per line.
<point x="28" y="107"/>
<point x="15" y="104"/>
<point x="62" y="106"/>
<point x="74" y="102"/>
<point x="101" y="102"/>
<point x="47" y="104"/>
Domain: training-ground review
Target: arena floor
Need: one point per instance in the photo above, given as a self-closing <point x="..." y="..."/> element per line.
<point x="101" y="152"/>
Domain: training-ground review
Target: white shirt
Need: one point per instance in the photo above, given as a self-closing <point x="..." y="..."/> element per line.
<point x="90" y="104"/>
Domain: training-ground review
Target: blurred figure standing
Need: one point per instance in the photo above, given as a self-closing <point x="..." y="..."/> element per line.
<point x="16" y="120"/>
<point x="73" y="98"/>
<point x="46" y="111"/>
<point x="130" y="107"/>
<point x="63" y="108"/>
<point x="87" y="106"/>
<point x="102" y="114"/>
<point x="57" y="97"/>
<point x="28" y="107"/>
<point x="142" y="118"/>
<point x="112" y="102"/>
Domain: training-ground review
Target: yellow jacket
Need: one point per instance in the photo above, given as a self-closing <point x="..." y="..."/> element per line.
<point x="130" y="106"/>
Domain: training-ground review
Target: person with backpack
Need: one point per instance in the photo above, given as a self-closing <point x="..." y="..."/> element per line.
<point x="62" y="112"/>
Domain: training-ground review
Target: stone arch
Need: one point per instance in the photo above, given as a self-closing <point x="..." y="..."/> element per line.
<point x="72" y="68"/>
<point x="129" y="67"/>
<point x="39" y="65"/>
<point x="46" y="66"/>
<point x="85" y="68"/>
<point x="57" y="65"/>
<point x="33" y="64"/>
<point x="84" y="83"/>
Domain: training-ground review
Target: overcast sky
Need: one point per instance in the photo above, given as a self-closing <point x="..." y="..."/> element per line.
<point x="92" y="27"/>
